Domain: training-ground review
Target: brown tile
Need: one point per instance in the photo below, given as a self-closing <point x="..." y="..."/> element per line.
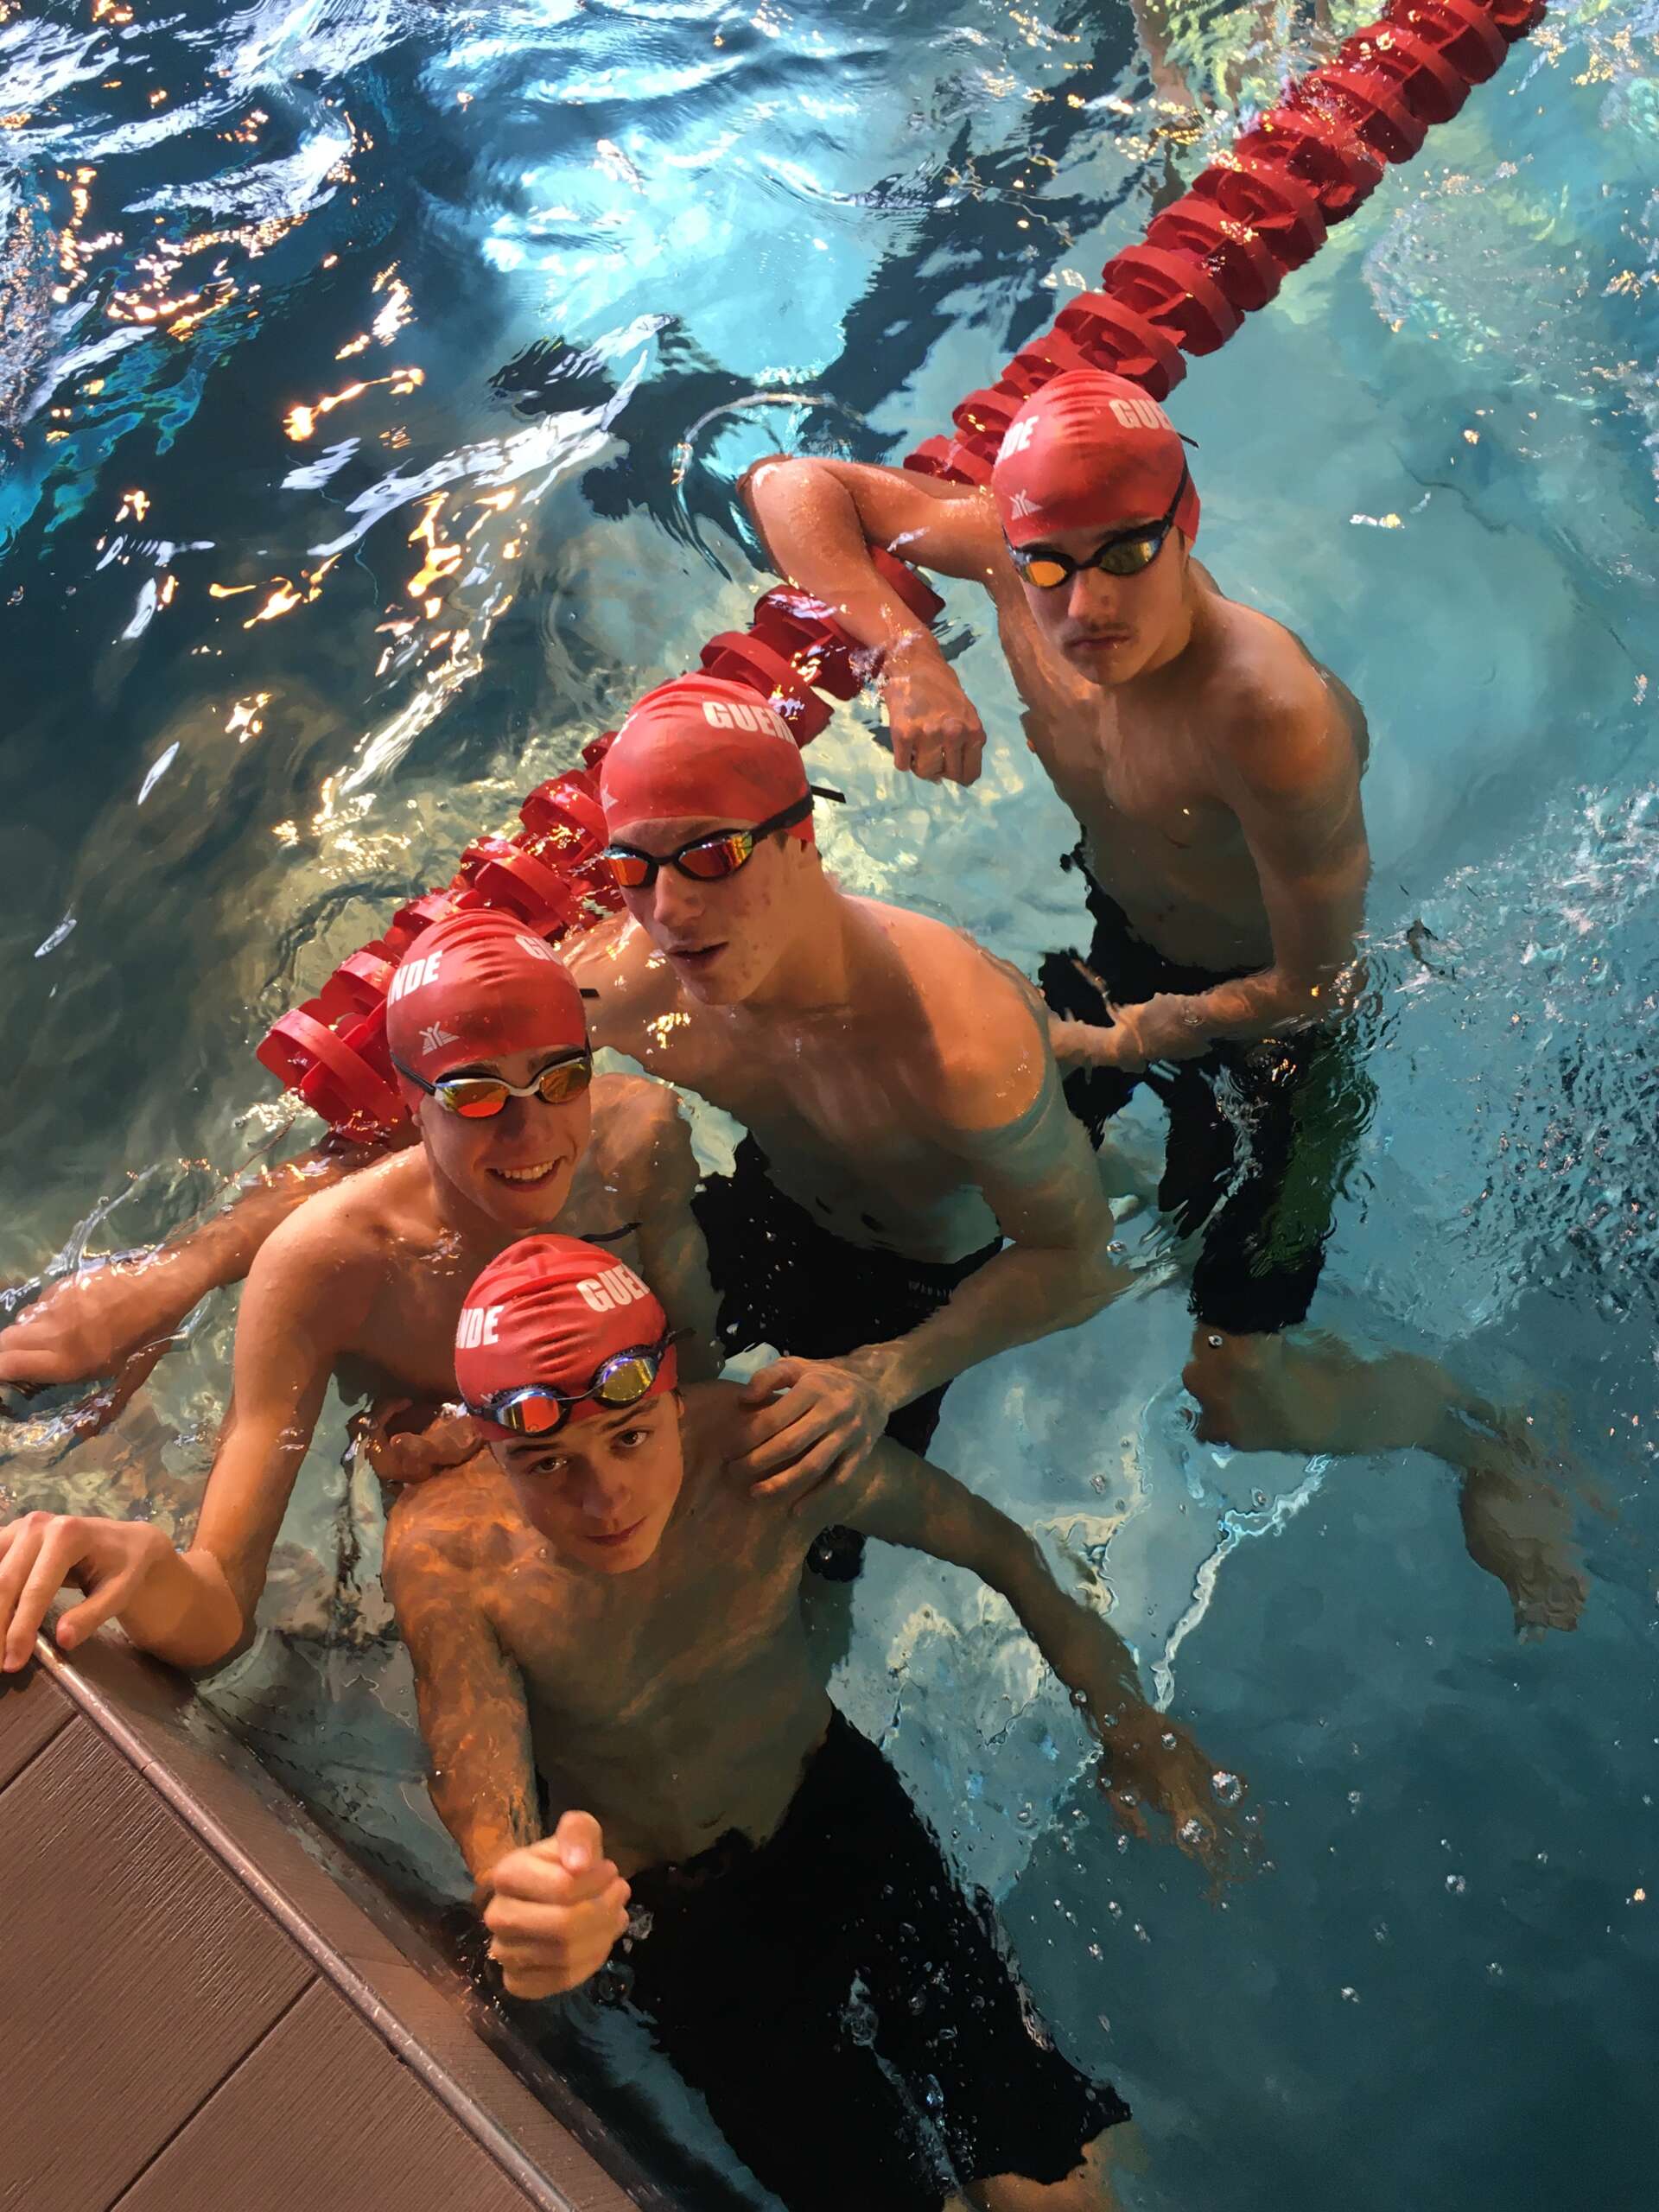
<point x="348" y="1921"/>
<point x="134" y="1975"/>
<point x="322" y="2117"/>
<point x="246" y="1816"/>
<point x="445" y="2019"/>
<point x="31" y="1714"/>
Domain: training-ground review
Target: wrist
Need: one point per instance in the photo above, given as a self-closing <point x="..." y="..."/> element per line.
<point x="881" y="1366"/>
<point x="907" y="648"/>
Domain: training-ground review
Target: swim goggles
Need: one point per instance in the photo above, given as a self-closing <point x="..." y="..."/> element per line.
<point x="538" y="1409"/>
<point x="479" y="1097"/>
<point x="708" y="859"/>
<point x="1126" y="553"/>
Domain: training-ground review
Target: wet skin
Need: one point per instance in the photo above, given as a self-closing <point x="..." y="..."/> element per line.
<point x="612" y="1609"/>
<point x="900" y="1085"/>
<point x="365" y="1282"/>
<point x="1214" y="769"/>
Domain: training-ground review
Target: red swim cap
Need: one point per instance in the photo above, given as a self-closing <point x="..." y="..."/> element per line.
<point x="553" y="1310"/>
<point x="1089" y="451"/>
<point x="702" y="748"/>
<point x="480" y="986"/>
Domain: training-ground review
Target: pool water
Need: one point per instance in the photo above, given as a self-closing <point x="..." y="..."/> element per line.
<point x="373" y="383"/>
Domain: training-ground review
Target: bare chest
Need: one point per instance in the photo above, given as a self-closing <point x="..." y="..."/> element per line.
<point x="682" y="1640"/>
<point x="826" y="1090"/>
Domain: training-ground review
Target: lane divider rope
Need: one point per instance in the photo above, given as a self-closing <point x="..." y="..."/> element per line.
<point x="1218" y="253"/>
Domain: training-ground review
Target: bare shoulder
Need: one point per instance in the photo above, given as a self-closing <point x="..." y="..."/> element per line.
<point x="458" y="1526"/>
<point x="626" y="980"/>
<point x="340" y="1238"/>
<point x="1282" y="722"/>
<point x="980" y="1050"/>
<point x="716" y="1423"/>
<point x="642" y="1142"/>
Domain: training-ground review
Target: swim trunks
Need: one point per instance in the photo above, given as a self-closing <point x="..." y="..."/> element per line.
<point x="850" y="2014"/>
<point x="1261" y="1137"/>
<point x="786" y="1280"/>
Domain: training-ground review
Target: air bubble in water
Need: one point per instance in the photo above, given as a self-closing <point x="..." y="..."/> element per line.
<point x="1192" y="1831"/>
<point x="1456" y="1885"/>
<point x="1097" y="1483"/>
<point x="1227" y="1787"/>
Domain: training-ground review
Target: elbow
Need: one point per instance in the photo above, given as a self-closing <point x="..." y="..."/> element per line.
<point x="221" y="1623"/>
<point x="749" y="483"/>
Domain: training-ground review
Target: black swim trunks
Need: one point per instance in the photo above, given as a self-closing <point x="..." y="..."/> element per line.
<point x="1261" y="1137"/>
<point x="850" y="2014"/>
<point x="786" y="1280"/>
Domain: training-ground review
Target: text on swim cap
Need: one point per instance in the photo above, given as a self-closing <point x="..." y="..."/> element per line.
<point x="617" y="1286"/>
<point x="1020" y="436"/>
<point x="478" y="1326"/>
<point x="534" y="945"/>
<point x="1141" y="414"/>
<point x="736" y="715"/>
<point x="413" y="975"/>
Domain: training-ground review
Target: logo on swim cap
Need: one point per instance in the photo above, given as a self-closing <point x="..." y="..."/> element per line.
<point x="1022" y="506"/>
<point x="617" y="1286"/>
<point x="434" y="1039"/>
<point x="730" y="714"/>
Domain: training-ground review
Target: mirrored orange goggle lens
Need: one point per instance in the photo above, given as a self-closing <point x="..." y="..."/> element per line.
<point x="1045" y="575"/>
<point x="720" y="856"/>
<point x="476" y="1098"/>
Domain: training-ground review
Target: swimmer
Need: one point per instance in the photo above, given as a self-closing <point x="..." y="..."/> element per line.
<point x="1214" y="770"/>
<point x="364" y="1282"/>
<point x="902" y="1105"/>
<point x="621" y="1710"/>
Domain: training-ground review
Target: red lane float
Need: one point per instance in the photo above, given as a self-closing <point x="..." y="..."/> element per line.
<point x="1220" y="252"/>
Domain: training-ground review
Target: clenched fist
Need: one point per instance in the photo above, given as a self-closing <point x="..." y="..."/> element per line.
<point x="558" y="1909"/>
<point x="935" y="728"/>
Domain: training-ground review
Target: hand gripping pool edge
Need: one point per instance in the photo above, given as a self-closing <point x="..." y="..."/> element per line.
<point x="1217" y="254"/>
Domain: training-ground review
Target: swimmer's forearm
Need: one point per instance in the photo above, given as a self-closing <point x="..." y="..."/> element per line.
<point x="1089" y="1656"/>
<point x="1270" y="1003"/>
<point x="481" y="1772"/>
<point x="816" y="536"/>
<point x="185" y="1611"/>
<point x="1026" y="1291"/>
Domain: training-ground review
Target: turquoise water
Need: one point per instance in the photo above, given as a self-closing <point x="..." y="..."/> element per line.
<point x="595" y="260"/>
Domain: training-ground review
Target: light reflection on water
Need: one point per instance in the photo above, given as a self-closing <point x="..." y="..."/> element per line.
<point x="349" y="362"/>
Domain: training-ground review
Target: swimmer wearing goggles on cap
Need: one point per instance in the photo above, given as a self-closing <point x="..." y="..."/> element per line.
<point x="622" y="1709"/>
<point x="1213" y="768"/>
<point x="363" y="1283"/>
